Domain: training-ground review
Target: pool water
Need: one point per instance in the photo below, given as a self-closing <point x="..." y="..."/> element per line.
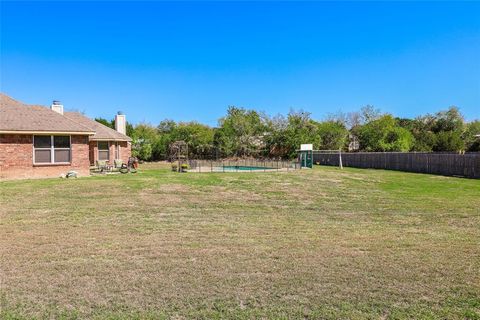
<point x="245" y="168"/>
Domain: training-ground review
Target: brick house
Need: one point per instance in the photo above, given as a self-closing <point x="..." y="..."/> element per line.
<point x="37" y="141"/>
<point x="106" y="143"/>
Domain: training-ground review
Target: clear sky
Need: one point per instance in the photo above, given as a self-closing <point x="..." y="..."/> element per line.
<point x="191" y="60"/>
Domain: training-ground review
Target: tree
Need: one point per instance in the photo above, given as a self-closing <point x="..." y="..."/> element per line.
<point x="354" y="119"/>
<point x="397" y="139"/>
<point x="338" y="116"/>
<point x="450" y="120"/>
<point x="284" y="135"/>
<point x="105" y="122"/>
<point x="240" y="132"/>
<point x="198" y="137"/>
<point x="275" y="138"/>
<point x="244" y="132"/>
<point x="143" y="151"/>
<point x="160" y="147"/>
<point x="424" y="141"/>
<point x="384" y="134"/>
<point x="332" y="135"/>
<point x="442" y="131"/>
<point x="471" y="136"/>
<point x="449" y="141"/>
<point x="448" y="127"/>
<point x="369" y="113"/>
<point x="300" y="129"/>
<point x="129" y="129"/>
<point x="111" y="124"/>
<point x="422" y="130"/>
<point x="405" y="123"/>
<point x="166" y="126"/>
<point x="144" y="138"/>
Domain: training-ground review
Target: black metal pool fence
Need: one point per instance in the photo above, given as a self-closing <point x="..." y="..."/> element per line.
<point x="242" y="165"/>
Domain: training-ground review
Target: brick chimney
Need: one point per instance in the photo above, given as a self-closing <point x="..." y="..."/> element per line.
<point x="57" y="106"/>
<point x="121" y="123"/>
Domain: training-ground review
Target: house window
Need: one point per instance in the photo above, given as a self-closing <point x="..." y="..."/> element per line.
<point x="117" y="150"/>
<point x="103" y="150"/>
<point x="51" y="149"/>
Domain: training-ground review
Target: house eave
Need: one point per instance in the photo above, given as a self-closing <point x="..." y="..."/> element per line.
<point x="47" y="132"/>
<point x="109" y="139"/>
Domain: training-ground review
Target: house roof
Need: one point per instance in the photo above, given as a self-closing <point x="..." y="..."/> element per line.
<point x="17" y="117"/>
<point x="102" y="132"/>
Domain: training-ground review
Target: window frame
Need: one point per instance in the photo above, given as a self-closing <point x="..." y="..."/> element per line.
<point x="108" y="150"/>
<point x="51" y="149"/>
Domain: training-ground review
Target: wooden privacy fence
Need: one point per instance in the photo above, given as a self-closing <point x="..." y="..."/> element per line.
<point x="448" y="164"/>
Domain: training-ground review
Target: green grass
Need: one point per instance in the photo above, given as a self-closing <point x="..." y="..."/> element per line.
<point x="322" y="243"/>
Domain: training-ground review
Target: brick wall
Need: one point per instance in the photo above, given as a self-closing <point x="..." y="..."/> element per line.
<point x="112" y="152"/>
<point x="93" y="152"/>
<point x="125" y="151"/>
<point x="16" y="158"/>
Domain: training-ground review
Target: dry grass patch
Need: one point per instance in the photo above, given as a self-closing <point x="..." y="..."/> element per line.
<point x="319" y="243"/>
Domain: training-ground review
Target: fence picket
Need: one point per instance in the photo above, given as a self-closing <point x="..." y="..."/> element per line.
<point x="448" y="164"/>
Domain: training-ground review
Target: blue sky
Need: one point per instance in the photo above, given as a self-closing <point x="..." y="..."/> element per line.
<point x="191" y="60"/>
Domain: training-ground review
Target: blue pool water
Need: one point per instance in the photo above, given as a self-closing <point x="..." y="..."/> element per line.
<point x="245" y="168"/>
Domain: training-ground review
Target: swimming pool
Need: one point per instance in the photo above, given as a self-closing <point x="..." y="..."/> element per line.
<point x="242" y="165"/>
<point x="245" y="168"/>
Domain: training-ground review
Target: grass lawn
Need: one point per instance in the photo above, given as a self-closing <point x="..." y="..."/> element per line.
<point x="321" y="243"/>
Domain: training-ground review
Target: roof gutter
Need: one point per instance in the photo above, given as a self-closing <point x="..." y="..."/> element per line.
<point x="90" y="133"/>
<point x="109" y="139"/>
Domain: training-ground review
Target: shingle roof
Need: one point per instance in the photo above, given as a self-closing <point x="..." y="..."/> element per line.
<point x="102" y="132"/>
<point x="19" y="117"/>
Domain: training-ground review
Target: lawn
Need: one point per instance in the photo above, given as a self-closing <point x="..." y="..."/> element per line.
<point x="322" y="243"/>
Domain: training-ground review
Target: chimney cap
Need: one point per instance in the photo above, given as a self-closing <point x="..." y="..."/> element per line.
<point x="120" y="113"/>
<point x="56" y="102"/>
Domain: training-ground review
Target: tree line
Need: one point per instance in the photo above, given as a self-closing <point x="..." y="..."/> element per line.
<point x="248" y="133"/>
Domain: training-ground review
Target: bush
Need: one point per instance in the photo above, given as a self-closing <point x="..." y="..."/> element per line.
<point x="449" y="141"/>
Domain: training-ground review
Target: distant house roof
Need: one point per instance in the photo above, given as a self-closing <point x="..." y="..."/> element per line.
<point x="17" y="117"/>
<point x="102" y="132"/>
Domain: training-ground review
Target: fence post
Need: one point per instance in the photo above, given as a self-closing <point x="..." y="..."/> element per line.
<point x="340" y="158"/>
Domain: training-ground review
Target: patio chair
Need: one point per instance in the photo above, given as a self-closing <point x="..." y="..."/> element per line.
<point x="102" y="165"/>
<point x="118" y="164"/>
